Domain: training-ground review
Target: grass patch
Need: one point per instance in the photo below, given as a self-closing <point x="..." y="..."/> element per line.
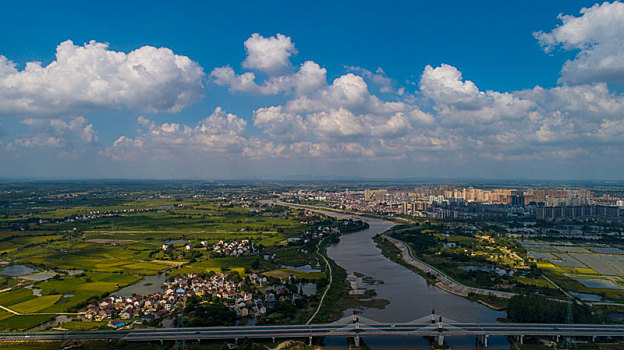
<point x="5" y="314"/>
<point x="168" y="262"/>
<point x="37" y="304"/>
<point x="284" y="273"/>
<point x="143" y="266"/>
<point x="225" y="264"/>
<point x="15" y="296"/>
<point x="536" y="282"/>
<point x="79" y="325"/>
<point x="23" y="322"/>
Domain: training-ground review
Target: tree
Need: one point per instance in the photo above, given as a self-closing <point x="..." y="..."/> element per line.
<point x="210" y="314"/>
<point x="255" y="264"/>
<point x="536" y="308"/>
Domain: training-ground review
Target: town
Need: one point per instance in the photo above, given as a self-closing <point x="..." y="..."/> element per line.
<point x="449" y="201"/>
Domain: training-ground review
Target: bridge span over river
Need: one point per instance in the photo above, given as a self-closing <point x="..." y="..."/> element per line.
<point x="434" y="326"/>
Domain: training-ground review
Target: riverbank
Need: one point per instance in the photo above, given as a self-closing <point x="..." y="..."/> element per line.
<point x="338" y="295"/>
<point x="443" y="281"/>
<point x="391" y="252"/>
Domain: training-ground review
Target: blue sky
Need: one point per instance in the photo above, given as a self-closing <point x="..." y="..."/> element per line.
<point x="499" y="100"/>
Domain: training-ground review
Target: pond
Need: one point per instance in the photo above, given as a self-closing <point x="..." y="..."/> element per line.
<point x="587" y="297"/>
<point x="307" y="289"/>
<point x="498" y="271"/>
<point x="304" y="268"/>
<point x="176" y="241"/>
<point x="17" y="270"/>
<point x="600" y="284"/>
<point x="41" y="276"/>
<point x="139" y="288"/>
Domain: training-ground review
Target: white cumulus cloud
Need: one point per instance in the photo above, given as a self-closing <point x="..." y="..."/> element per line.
<point x="82" y="78"/>
<point x="270" y="55"/>
<point x="449" y="119"/>
<point x="598" y="34"/>
<point x="461" y="101"/>
<point x="67" y="138"/>
<point x="219" y="134"/>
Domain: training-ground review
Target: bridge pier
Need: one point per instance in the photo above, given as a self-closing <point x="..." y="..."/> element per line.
<point x="273" y="339"/>
<point x="485" y="338"/>
<point x="356" y="341"/>
<point x="480" y="340"/>
<point x="440" y="336"/>
<point x="521" y="339"/>
<point x="310" y="340"/>
<point x="440" y="340"/>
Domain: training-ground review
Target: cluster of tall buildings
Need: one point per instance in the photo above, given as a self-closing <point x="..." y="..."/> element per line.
<point x="452" y="194"/>
<point x="578" y="212"/>
<point x="545" y="204"/>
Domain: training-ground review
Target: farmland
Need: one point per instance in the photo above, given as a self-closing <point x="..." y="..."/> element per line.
<point x="72" y="245"/>
<point x="595" y="271"/>
<point x="478" y="255"/>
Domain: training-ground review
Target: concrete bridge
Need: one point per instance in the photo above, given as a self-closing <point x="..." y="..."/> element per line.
<point x="355" y="327"/>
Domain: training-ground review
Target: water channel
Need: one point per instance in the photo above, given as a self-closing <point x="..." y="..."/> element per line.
<point x="410" y="296"/>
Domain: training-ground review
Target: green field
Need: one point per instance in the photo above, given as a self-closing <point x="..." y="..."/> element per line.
<point x="284" y="273"/>
<point x="36" y="304"/>
<point x="15" y="296"/>
<point x="55" y="231"/>
<point x="224" y="264"/>
<point x="24" y="321"/>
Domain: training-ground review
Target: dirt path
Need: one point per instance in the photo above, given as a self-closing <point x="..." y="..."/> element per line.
<point x="9" y="310"/>
<point x="331" y="279"/>
<point x="39" y="313"/>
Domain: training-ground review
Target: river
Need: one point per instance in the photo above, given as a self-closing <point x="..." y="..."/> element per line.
<point x="410" y="296"/>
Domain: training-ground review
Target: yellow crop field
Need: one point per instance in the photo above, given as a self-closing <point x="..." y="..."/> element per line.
<point x="168" y="263"/>
<point x="37" y="304"/>
<point x="536" y="282"/>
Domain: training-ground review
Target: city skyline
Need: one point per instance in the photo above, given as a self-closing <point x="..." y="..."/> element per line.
<point x="214" y="91"/>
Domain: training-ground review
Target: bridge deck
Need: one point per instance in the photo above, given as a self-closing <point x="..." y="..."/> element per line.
<point x="330" y="330"/>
